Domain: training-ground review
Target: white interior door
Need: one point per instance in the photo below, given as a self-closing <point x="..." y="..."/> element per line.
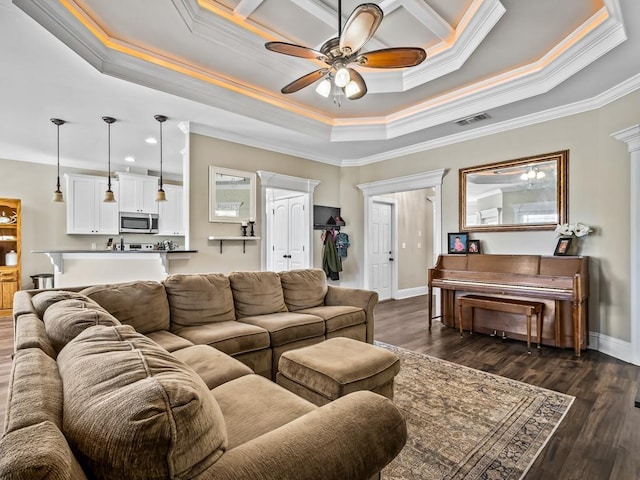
<point x="289" y="233"/>
<point x="381" y="254"/>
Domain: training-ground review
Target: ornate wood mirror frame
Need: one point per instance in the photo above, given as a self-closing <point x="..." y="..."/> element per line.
<point x="524" y="194"/>
<point x="232" y="195"/>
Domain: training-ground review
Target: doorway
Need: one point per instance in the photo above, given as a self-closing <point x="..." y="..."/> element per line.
<point x="288" y="225"/>
<point x="383" y="214"/>
<point x="372" y="195"/>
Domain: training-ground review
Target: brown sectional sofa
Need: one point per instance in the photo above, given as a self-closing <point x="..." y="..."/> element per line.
<point x="121" y="381"/>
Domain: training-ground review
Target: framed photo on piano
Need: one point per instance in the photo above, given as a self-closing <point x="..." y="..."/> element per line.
<point x="458" y="242"/>
<point x="563" y="246"/>
<point x="473" y="246"/>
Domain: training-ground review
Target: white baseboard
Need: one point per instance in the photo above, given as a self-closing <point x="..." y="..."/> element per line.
<point x="611" y="346"/>
<point x="410" y="292"/>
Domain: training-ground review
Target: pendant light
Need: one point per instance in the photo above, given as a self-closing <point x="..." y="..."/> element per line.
<point x="109" y="197"/>
<point x="160" y="196"/>
<point x="57" y="195"/>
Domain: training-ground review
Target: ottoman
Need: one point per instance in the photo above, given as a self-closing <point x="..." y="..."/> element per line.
<point x="325" y="371"/>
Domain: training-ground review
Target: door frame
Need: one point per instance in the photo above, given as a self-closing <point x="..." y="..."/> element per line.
<point x="394" y="242"/>
<point x="431" y="179"/>
<point x="306" y="186"/>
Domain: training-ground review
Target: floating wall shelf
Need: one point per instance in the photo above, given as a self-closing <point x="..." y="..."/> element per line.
<point x="233" y="238"/>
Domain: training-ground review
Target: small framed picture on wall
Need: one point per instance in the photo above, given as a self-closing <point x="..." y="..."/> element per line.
<point x="562" y="247"/>
<point x="458" y="242"/>
<point x="473" y="246"/>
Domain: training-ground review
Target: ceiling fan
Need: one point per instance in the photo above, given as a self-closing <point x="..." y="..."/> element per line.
<point x="343" y="50"/>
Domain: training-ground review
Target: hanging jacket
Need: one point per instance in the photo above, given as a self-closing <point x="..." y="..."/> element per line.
<point x="331" y="262"/>
<point x="342" y="243"/>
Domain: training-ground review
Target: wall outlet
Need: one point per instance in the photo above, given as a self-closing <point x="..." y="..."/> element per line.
<point x="404" y="245"/>
<point x="419" y="245"/>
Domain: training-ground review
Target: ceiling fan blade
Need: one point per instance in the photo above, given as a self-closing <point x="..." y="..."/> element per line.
<point x="296" y="51"/>
<point x="392" y="58"/>
<point x="360" y="27"/>
<point x="305" y="81"/>
<point x="361" y="91"/>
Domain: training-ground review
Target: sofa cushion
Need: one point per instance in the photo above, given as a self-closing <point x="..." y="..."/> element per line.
<point x="213" y="366"/>
<point x="38" y="452"/>
<point x="287" y="327"/>
<point x="34" y="392"/>
<point x="30" y="333"/>
<point x="256" y="293"/>
<point x="337" y="317"/>
<point x="304" y="288"/>
<point x="141" y="304"/>
<point x="43" y="300"/>
<point x="168" y="424"/>
<point x="169" y="341"/>
<point x="268" y="407"/>
<point x="198" y="299"/>
<point x="66" y="319"/>
<point x="228" y="337"/>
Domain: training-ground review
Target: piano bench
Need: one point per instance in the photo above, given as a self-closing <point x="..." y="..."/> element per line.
<point x="507" y="305"/>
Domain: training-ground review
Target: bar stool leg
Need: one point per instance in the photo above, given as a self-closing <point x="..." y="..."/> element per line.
<point x="460" y="317"/>
<point x="539" y="327"/>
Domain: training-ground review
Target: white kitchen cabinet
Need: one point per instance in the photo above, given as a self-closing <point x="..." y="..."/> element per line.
<point x="137" y="193"/>
<point x="171" y="212"/>
<point x="86" y="212"/>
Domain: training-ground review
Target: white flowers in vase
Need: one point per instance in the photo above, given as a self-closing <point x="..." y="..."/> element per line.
<point x="569" y="229"/>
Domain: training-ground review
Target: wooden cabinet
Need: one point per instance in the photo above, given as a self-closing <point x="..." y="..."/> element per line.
<point x="171" y="212"/>
<point x="10" y="243"/>
<point x="86" y="212"/>
<point x="137" y="193"/>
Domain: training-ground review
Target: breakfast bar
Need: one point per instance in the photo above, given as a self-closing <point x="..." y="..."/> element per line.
<point x="73" y="268"/>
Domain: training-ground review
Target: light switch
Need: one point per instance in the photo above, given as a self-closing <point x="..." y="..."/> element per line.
<point x="419" y="245"/>
<point x="404" y="245"/>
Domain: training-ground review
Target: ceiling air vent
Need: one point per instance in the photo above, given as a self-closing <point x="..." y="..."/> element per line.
<point x="472" y="119"/>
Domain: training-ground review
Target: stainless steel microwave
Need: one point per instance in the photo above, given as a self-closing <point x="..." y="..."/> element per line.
<point x="138" y="222"/>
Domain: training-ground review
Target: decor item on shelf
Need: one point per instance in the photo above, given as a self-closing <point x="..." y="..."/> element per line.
<point x="109" y="197"/>
<point x="343" y="50"/>
<point x="7" y="219"/>
<point x="473" y="246"/>
<point x="160" y="196"/>
<point x="11" y="258"/>
<point x="563" y="246"/>
<point x="569" y="229"/>
<point x="57" y="195"/>
<point x="252" y="223"/>
<point x="243" y="227"/>
<point x="457" y="242"/>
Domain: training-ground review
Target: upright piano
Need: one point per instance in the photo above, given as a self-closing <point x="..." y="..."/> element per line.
<point x="561" y="283"/>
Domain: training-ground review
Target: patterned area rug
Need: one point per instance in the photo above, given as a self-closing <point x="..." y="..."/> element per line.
<point x="468" y="424"/>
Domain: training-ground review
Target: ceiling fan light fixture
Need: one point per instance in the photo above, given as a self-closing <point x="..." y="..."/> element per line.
<point x="342" y="77"/>
<point x="324" y="88"/>
<point x="351" y="89"/>
<point x="360" y="27"/>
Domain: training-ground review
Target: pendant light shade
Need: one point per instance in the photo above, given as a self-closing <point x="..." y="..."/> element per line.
<point x="109" y="197"/>
<point x="57" y="195"/>
<point x="160" y="196"/>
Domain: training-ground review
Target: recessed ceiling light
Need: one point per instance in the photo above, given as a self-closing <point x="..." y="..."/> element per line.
<point x="129" y="159"/>
<point x="151" y="140"/>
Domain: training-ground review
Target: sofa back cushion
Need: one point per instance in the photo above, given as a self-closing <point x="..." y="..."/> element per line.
<point x="256" y="293"/>
<point x="141" y="304"/>
<point x="304" y="288"/>
<point x="199" y="299"/>
<point x="66" y="319"/>
<point x="132" y="410"/>
<point x="43" y="300"/>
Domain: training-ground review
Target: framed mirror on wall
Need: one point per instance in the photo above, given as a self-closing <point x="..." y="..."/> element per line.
<point x="523" y="194"/>
<point x="232" y="195"/>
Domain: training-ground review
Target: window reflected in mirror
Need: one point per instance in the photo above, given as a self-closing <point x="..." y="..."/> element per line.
<point x="523" y="194"/>
<point x="231" y="195"/>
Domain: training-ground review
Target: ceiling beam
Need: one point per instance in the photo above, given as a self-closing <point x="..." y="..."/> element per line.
<point x="426" y="15"/>
<point x="246" y="8"/>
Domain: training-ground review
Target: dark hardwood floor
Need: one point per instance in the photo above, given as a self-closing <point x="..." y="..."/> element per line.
<point x="600" y="436"/>
<point x="598" y="439"/>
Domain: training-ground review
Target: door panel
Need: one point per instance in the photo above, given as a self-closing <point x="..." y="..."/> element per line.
<point x="280" y="249"/>
<point x="381" y="253"/>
